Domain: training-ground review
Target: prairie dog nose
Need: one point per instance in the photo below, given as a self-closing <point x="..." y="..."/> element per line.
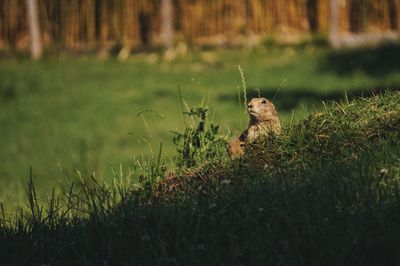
<point x="250" y="106"/>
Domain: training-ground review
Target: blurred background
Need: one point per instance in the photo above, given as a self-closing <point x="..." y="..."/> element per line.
<point x="89" y="85"/>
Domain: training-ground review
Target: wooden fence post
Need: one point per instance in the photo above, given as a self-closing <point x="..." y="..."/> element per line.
<point x="167" y="23"/>
<point x="394" y="13"/>
<point x="34" y="29"/>
<point x="334" y="24"/>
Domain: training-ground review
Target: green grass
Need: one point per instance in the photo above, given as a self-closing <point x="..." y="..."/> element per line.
<point x="324" y="192"/>
<point x="60" y="115"/>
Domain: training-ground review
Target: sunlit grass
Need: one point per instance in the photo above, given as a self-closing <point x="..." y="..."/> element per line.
<point x="62" y="115"/>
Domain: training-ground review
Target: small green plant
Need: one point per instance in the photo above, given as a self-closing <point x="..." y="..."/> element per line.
<point x="200" y="140"/>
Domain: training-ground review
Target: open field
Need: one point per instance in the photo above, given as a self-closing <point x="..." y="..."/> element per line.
<point x="326" y="191"/>
<point x="59" y="115"/>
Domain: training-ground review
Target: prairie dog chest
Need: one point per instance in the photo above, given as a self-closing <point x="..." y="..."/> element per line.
<point x="255" y="131"/>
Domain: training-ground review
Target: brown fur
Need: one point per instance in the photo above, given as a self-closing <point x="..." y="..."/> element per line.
<point x="263" y="119"/>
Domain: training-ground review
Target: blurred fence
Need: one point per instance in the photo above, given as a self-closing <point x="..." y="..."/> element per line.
<point x="96" y="24"/>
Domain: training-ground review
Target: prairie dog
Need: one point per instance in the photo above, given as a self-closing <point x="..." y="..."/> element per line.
<point x="263" y="119"/>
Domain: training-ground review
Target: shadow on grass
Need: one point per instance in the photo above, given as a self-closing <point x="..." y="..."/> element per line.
<point x="291" y="98"/>
<point x="378" y="61"/>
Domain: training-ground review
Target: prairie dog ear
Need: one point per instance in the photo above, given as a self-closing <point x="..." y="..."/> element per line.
<point x="273" y="109"/>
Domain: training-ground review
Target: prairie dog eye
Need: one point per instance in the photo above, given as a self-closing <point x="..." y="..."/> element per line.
<point x="264" y="101"/>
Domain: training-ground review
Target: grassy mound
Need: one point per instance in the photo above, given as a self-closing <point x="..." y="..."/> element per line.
<point x="341" y="134"/>
<point x="325" y="192"/>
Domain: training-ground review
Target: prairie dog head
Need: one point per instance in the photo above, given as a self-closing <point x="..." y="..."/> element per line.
<point x="261" y="110"/>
